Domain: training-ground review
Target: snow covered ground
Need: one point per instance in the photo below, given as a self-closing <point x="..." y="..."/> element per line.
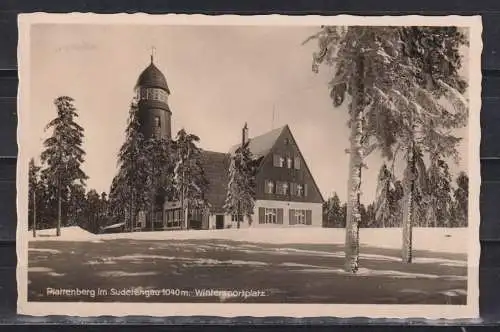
<point x="292" y="265"/>
<point x="452" y="240"/>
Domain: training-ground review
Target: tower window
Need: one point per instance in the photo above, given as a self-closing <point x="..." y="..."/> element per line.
<point x="157" y="122"/>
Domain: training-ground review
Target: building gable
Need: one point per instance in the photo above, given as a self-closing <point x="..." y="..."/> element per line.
<point x="294" y="172"/>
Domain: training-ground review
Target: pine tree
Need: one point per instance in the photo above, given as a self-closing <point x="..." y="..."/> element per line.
<point x="415" y="187"/>
<point x="93" y="211"/>
<point x="34" y="193"/>
<point x="240" y="197"/>
<point x="104" y="210"/>
<point x="434" y="55"/>
<point x="63" y="154"/>
<point x="77" y="205"/>
<point x="370" y="215"/>
<point x="384" y="204"/>
<point x="130" y="186"/>
<point x="334" y="216"/>
<point x="189" y="178"/>
<point x="439" y="193"/>
<point x="118" y="200"/>
<point x="160" y="169"/>
<point x="460" y="206"/>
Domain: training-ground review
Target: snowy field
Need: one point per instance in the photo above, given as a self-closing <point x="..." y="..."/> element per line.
<point x="451" y="240"/>
<point x="295" y="265"/>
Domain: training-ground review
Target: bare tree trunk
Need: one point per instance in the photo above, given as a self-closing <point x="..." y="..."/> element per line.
<point x="34" y="212"/>
<point x="354" y="183"/>
<point x="59" y="210"/>
<point x="132" y="214"/>
<point x="238" y="216"/>
<point x="186" y="214"/>
<point x="409" y="209"/>
<point x="152" y="218"/>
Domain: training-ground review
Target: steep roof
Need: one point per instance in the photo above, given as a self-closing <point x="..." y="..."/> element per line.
<point x="152" y="77"/>
<point x="216" y="166"/>
<point x="261" y="145"/>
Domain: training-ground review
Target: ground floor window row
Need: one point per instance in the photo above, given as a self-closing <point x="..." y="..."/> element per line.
<point x="275" y="216"/>
<point x="174" y="217"/>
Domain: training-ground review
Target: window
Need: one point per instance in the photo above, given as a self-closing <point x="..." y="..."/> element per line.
<point x="282" y="188"/>
<point x="289" y="162"/>
<point x="287" y="141"/>
<point x="300" y="190"/>
<point x="297" y="163"/>
<point x="271" y="216"/>
<point x="269" y="187"/>
<point x="278" y="161"/>
<point x="300" y="217"/>
<point x="152" y="94"/>
<point x="157" y="122"/>
<point x="162" y="95"/>
<point x="237" y="217"/>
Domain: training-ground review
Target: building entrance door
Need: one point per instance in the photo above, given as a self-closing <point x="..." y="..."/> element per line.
<point x="219" y="221"/>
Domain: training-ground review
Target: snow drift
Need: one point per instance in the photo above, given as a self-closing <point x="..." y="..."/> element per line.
<point x="72" y="233"/>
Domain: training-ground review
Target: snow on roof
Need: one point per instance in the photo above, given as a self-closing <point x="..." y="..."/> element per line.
<point x="216" y="166"/>
<point x="261" y="145"/>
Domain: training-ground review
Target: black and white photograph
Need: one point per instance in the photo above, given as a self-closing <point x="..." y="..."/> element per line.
<point x="248" y="166"/>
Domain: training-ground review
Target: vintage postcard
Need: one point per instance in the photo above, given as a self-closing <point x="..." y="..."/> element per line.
<point x="180" y="165"/>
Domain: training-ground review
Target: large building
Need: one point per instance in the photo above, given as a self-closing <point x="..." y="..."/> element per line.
<point x="286" y="193"/>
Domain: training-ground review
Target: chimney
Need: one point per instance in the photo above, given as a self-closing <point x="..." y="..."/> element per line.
<point x="244" y="135"/>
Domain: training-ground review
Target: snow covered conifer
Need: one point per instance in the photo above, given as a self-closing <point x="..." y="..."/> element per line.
<point x="384" y="211"/>
<point x="189" y="179"/>
<point x="63" y="154"/>
<point x="394" y="76"/>
<point x="159" y="157"/>
<point x="460" y="208"/>
<point x="240" y="197"/>
<point x="129" y="189"/>
<point x="439" y="192"/>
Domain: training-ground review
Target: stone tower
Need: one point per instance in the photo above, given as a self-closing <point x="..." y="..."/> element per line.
<point x="152" y="94"/>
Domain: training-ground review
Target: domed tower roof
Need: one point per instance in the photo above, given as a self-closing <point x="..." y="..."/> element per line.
<point x="152" y="77"/>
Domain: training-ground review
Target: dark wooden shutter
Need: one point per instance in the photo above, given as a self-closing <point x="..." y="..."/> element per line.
<point x="305" y="190"/>
<point x="291" y="216"/>
<point x="308" y="217"/>
<point x="261" y="215"/>
<point x="280" y="216"/>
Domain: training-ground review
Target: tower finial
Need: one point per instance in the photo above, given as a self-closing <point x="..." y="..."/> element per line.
<point x="152" y="53"/>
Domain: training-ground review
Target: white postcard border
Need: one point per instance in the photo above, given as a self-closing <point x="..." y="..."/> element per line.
<point x="90" y="309"/>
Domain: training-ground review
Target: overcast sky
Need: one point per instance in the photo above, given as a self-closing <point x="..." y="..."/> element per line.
<point x="219" y="77"/>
